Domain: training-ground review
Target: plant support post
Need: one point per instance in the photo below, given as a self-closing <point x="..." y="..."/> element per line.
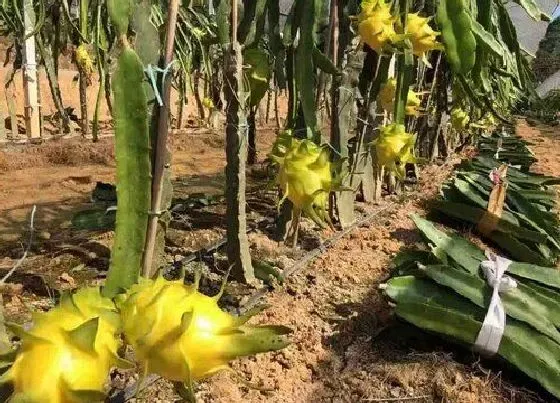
<point x="30" y="78"/>
<point x="160" y="160"/>
<point x="236" y="156"/>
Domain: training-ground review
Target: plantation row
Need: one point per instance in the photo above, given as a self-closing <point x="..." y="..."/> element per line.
<point x="399" y="83"/>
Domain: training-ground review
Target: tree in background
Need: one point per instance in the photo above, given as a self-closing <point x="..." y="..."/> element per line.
<point x="547" y="61"/>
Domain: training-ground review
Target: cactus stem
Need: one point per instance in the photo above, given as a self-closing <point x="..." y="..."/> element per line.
<point x="224" y="283"/>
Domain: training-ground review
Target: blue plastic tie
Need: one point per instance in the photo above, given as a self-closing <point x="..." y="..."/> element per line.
<point x="151" y="72"/>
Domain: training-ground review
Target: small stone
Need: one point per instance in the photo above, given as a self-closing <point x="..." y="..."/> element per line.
<point x="68" y="279"/>
<point x="45" y="235"/>
<point x="11" y="289"/>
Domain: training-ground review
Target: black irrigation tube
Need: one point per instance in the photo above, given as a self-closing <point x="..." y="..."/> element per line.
<point x="312" y="254"/>
<point x="124" y="395"/>
<point x="201" y="253"/>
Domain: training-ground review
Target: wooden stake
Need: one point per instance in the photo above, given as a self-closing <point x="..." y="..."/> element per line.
<point x="31" y="112"/>
<point x="160" y="151"/>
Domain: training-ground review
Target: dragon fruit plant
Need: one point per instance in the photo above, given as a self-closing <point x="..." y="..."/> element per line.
<point x="306" y="176"/>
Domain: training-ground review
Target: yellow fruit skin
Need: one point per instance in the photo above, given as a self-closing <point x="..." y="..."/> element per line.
<point x="306" y="176"/>
<point x="52" y="366"/>
<point x="459" y="119"/>
<point x="183" y="335"/>
<point x="413" y="102"/>
<point x="208" y="103"/>
<point x="395" y="148"/>
<point x="84" y="61"/>
<point x="43" y="372"/>
<point x="376" y="24"/>
<point x="386" y="98"/>
<point x="386" y="95"/>
<point x="421" y="35"/>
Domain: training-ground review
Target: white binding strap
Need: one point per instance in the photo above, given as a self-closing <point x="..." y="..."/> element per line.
<point x="492" y="330"/>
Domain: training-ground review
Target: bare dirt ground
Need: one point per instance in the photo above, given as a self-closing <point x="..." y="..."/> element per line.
<point x="348" y="348"/>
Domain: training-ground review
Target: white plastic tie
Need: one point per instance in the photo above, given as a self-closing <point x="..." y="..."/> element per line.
<point x="494" y="324"/>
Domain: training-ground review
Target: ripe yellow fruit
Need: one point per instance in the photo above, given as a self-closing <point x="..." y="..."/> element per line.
<point x="459" y="118"/>
<point x="376" y="24"/>
<point x="488" y="121"/>
<point x="208" y="103"/>
<point x="67" y="355"/>
<point x="386" y="95"/>
<point x="183" y="335"/>
<point x="386" y="98"/>
<point x="413" y="102"/>
<point x="421" y="35"/>
<point x="84" y="61"/>
<point x="306" y="176"/>
<point x="395" y="148"/>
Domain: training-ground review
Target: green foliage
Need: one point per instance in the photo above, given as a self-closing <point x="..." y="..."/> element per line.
<point x="548" y="108"/>
<point x="527" y="229"/>
<point x="258" y="74"/>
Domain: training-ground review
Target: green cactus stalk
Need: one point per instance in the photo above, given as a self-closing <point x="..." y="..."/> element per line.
<point x="349" y="59"/>
<point x="132" y="149"/>
<point x="236" y="154"/>
<point x="405" y="66"/>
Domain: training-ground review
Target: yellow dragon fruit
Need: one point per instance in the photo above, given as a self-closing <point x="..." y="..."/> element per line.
<point x="84" y="61"/>
<point x="459" y="118"/>
<point x="68" y="353"/>
<point x="208" y="103"/>
<point x="395" y="148"/>
<point x="421" y="35"/>
<point x="376" y="24"/>
<point x="487" y="122"/>
<point x="386" y="95"/>
<point x="413" y="102"/>
<point x="306" y="176"/>
<point x="386" y="98"/>
<point x="184" y="336"/>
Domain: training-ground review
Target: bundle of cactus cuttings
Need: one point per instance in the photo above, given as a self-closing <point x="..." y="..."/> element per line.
<point x="506" y="205"/>
<point x="495" y="306"/>
<point x="174" y="330"/>
<point x="507" y="148"/>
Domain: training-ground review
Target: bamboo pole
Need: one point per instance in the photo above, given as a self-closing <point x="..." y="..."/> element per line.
<point x="30" y="78"/>
<point x="160" y="151"/>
